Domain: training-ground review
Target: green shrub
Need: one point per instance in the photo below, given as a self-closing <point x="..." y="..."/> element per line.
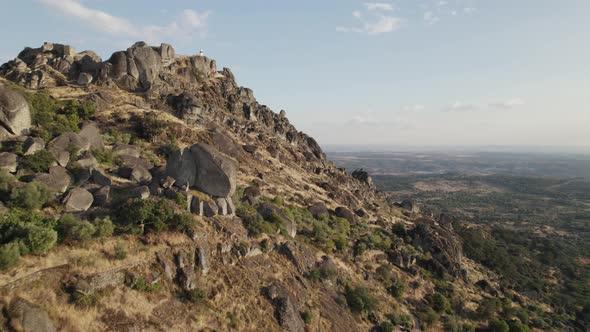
<point x="31" y="196"/>
<point x="104" y="227"/>
<point x="516" y="326"/>
<point x="397" y="289"/>
<point x="53" y="117"/>
<point x="306" y="316"/>
<point x="7" y="180"/>
<point x="182" y="222"/>
<point x="72" y="229"/>
<point x="168" y="149"/>
<point x="9" y="255"/>
<point x="120" y="251"/>
<point x="142" y="286"/>
<point x="428" y="316"/>
<point x="253" y="221"/>
<point x="38" y="239"/>
<point x="107" y="158"/>
<point x="498" y="325"/>
<point x="386" y="327"/>
<point x="151" y="127"/>
<point x="359" y="299"/>
<point x="195" y="296"/>
<point x="324" y="272"/>
<point x="440" y="303"/>
<point x="137" y="216"/>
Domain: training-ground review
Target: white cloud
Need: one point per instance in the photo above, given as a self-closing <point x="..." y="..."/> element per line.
<point x="507" y="104"/>
<point x="414" y="108"/>
<point x="454" y="13"/>
<point x="375" y="19"/>
<point x="365" y="119"/>
<point x="442" y="3"/>
<point x="186" y="24"/>
<point x="460" y="106"/>
<point x="378" y="6"/>
<point x="468" y="10"/>
<point x="430" y="18"/>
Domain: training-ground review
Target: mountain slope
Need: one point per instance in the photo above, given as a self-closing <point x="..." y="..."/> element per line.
<point x="224" y="216"/>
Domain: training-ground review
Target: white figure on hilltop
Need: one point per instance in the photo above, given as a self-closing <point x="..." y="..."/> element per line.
<point x="201" y="53"/>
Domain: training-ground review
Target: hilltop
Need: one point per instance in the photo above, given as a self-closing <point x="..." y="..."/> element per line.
<point x="164" y="196"/>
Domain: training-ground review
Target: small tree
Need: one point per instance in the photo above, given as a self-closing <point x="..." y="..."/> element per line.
<point x="9" y="255"/>
<point x="31" y="196"/>
<point x="39" y="161"/>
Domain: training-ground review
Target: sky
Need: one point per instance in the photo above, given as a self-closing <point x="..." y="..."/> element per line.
<point x="399" y="73"/>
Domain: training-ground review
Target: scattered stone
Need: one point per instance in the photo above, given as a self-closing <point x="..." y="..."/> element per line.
<point x="186" y="271"/>
<point x="8" y="162"/>
<point x="288" y="315"/>
<point x="142" y="192"/>
<point x="167" y="182"/>
<point x="251" y="194"/>
<point x="221" y="206"/>
<point x="32" y="145"/>
<point x="121" y="149"/>
<point x="87" y="161"/>
<point x="209" y="209"/>
<point x="343" y="212"/>
<point x="318" y="210"/>
<point x="410" y="206"/>
<point x="251" y="149"/>
<point x="78" y="200"/>
<point x="270" y="211"/>
<point x="101" y="196"/>
<point x="362" y="176"/>
<point x="99" y="177"/>
<point x="84" y="79"/>
<point x="26" y="316"/>
<point x="164" y="258"/>
<point x="231" y="208"/>
<point x="202" y="254"/>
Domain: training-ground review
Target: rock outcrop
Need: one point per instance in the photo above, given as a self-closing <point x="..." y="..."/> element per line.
<point x="205" y="168"/>
<point x="15" y="116"/>
<point x="29" y="317"/>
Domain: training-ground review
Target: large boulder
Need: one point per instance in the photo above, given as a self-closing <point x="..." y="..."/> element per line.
<point x="78" y="200"/>
<point x="8" y="162"/>
<point x="32" y="145"/>
<point x="343" y="212"/>
<point x="29" y="317"/>
<point x="57" y="180"/>
<point x="204" y="168"/>
<point x="15" y="116"/>
<point x="91" y="133"/>
<point x="318" y="210"/>
<point x="215" y="173"/>
<point x="61" y="147"/>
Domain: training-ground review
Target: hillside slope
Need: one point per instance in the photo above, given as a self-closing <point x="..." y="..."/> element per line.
<point x="165" y="197"/>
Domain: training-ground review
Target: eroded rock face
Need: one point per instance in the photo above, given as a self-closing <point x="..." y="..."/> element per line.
<point x="444" y="245"/>
<point x="302" y="256"/>
<point x="15" y="116"/>
<point x="26" y="316"/>
<point x="204" y="168"/>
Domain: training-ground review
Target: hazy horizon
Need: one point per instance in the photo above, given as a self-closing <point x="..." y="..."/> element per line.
<point x="404" y="73"/>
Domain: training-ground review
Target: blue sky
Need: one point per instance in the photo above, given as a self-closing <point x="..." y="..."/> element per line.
<point x="405" y="72"/>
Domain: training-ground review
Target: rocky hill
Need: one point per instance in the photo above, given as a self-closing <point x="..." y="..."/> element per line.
<point x="150" y="192"/>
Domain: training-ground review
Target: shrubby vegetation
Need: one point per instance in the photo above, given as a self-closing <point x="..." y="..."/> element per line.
<point x="32" y="195"/>
<point x="140" y="216"/>
<point x="39" y="161"/>
<point x="53" y="118"/>
<point x="359" y="299"/>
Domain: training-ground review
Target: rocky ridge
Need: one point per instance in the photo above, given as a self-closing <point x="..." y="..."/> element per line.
<point x="273" y="223"/>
